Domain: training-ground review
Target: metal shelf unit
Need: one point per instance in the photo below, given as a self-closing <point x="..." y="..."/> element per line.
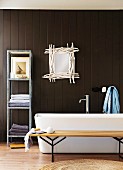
<point x="18" y="53"/>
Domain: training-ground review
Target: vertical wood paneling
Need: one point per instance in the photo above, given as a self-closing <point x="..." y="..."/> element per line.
<point x="22" y="29"/>
<point x="58" y="43"/>
<point x="94" y="58"/>
<point x="22" y="86"/>
<point x="28" y="46"/>
<point x="87" y="55"/>
<point x="14" y="46"/>
<point x="80" y="56"/>
<point x="97" y="34"/>
<point x="29" y="30"/>
<point x="2" y="130"/>
<point x="121" y="60"/>
<point x="36" y="63"/>
<point x="101" y="56"/>
<point x="73" y="89"/>
<point x="116" y="36"/>
<point x="108" y="50"/>
<point x="6" y="46"/>
<point x="67" y="92"/>
<point x="44" y="61"/>
<point x="50" y="40"/>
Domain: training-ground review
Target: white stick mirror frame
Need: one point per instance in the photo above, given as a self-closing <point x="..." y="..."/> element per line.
<point x="61" y="63"/>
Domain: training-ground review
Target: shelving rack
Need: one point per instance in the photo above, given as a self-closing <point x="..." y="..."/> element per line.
<point x="10" y="80"/>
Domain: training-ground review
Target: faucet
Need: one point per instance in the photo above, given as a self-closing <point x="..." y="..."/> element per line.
<point x="86" y="99"/>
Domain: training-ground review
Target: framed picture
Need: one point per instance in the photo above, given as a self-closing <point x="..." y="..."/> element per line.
<point x="19" y="67"/>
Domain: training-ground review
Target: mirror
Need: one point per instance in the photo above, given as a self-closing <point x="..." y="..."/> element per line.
<point x="61" y="60"/>
<point x="61" y="63"/>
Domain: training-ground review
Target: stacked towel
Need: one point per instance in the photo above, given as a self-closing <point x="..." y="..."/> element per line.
<point x="19" y="100"/>
<point x="21" y="130"/>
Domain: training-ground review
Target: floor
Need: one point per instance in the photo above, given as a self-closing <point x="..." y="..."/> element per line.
<point x="18" y="159"/>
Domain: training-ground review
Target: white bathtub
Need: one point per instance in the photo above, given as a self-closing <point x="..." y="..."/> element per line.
<point x="80" y="122"/>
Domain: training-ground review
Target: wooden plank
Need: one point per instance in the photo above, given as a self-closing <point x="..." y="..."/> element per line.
<point x="1" y="76"/>
<point x="116" y="45"/>
<point x="82" y="133"/>
<point x="44" y="69"/>
<point x="87" y="56"/>
<point x="14" y="46"/>
<point x="67" y="87"/>
<point x="6" y="46"/>
<point x="121" y="62"/>
<point x="73" y="89"/>
<point x="50" y="40"/>
<point x="36" y="63"/>
<point x="102" y="58"/>
<point x="94" y="59"/>
<point x="28" y="29"/>
<point x="17" y="145"/>
<point x="58" y="43"/>
<point x="22" y="86"/>
<point x="22" y="29"/>
<point x="80" y="58"/>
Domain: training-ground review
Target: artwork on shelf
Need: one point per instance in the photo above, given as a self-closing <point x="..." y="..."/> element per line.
<point x="19" y="67"/>
<point x="61" y="63"/>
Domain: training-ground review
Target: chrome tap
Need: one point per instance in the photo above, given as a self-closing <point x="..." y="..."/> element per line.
<point x="86" y="99"/>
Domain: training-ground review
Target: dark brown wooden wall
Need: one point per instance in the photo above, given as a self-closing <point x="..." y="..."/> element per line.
<point x="97" y="34"/>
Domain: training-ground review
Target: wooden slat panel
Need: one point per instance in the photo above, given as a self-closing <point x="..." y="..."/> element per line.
<point x="36" y="63"/>
<point x="116" y="58"/>
<point x="50" y="40"/>
<point x="65" y="40"/>
<point x="22" y="29"/>
<point x="121" y="60"/>
<point x="102" y="58"/>
<point x="28" y="46"/>
<point x="80" y="58"/>
<point x="58" y="42"/>
<point x="87" y="55"/>
<point x="44" y="61"/>
<point x="94" y="59"/>
<point x="6" y="46"/>
<point x="22" y="86"/>
<point x="14" y="46"/>
<point x="1" y="77"/>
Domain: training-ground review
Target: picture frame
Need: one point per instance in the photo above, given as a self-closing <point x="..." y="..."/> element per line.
<point x="19" y="67"/>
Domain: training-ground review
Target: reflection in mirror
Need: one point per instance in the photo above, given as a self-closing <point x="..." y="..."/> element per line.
<point x="61" y="63"/>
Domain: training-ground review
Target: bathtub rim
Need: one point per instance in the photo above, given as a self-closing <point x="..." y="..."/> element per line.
<point x="78" y="115"/>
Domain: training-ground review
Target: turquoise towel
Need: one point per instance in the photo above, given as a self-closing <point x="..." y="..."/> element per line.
<point x="111" y="102"/>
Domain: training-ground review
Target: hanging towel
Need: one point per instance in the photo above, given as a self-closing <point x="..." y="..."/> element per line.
<point x="111" y="102"/>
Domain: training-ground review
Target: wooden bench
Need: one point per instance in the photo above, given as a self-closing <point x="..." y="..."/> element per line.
<point x="117" y="135"/>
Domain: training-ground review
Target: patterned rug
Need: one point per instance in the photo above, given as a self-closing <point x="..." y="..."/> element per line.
<point x="84" y="164"/>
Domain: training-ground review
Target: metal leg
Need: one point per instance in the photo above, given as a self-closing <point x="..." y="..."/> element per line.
<point x="120" y="142"/>
<point x="52" y="152"/>
<point x="52" y="143"/>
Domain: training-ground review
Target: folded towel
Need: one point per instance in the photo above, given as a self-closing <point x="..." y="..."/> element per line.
<point x="18" y="130"/>
<point x="19" y="104"/>
<point x="16" y="126"/>
<point x="17" y="133"/>
<point x="19" y="101"/>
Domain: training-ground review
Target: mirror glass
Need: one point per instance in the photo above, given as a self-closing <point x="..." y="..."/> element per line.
<point x="61" y="62"/>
